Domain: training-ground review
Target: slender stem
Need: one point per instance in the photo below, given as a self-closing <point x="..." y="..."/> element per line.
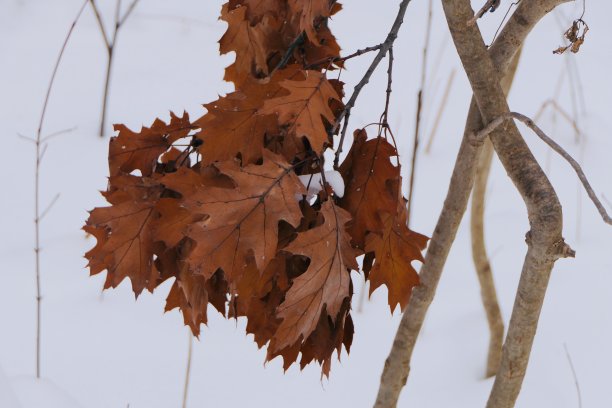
<point x="109" y="66"/>
<point x="441" y="109"/>
<point x="391" y="37"/>
<point x="188" y="370"/>
<point x="419" y="111"/>
<point x="332" y="60"/>
<point x="110" y="44"/>
<point x="40" y="151"/>
<point x="556" y="147"/>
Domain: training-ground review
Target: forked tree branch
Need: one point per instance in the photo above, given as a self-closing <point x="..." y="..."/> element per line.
<point x="479" y="253"/>
<point x="397" y="365"/>
<point x="480" y="136"/>
<point x="544" y="239"/>
<point x="110" y="42"/>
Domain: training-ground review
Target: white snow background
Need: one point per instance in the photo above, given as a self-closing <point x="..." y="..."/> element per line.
<point x="110" y="351"/>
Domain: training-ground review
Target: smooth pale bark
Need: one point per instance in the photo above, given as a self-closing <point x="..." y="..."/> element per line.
<point x="482" y="265"/>
<point x="544" y="240"/>
<point x="397" y="364"/>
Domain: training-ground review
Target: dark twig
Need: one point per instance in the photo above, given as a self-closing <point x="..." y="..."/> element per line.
<point x="501" y="24"/>
<point x="110" y="42"/>
<point x="41" y="148"/>
<point x="490" y="5"/>
<point x="333" y="60"/>
<point x="479" y="137"/>
<point x="299" y="40"/>
<point x="391" y="37"/>
<point x="385" y="115"/>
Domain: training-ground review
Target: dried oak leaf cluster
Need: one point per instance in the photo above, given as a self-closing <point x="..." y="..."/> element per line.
<point x="217" y="203"/>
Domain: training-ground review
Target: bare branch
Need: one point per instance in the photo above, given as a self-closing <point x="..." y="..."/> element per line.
<point x="397" y="365"/>
<point x="26" y="138"/>
<point x="553" y="145"/>
<point x="110" y="43"/>
<point x="441" y="109"/>
<point x="51" y="204"/>
<point x="187" y="369"/>
<point x="39" y="156"/>
<point x="419" y="111"/>
<point x="393" y="33"/>
<point x="58" y="133"/>
<point x="490" y="5"/>
<point x="128" y="12"/>
<point x="100" y="23"/>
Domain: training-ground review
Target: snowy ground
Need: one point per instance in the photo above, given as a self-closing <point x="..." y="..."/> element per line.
<point x="110" y="351"/>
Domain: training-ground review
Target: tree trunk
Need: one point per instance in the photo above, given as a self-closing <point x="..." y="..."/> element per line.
<point x="479" y="252"/>
<point x="397" y="365"/>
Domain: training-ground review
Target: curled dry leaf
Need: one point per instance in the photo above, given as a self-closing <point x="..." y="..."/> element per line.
<point x="575" y="35"/>
<point x="131" y="151"/>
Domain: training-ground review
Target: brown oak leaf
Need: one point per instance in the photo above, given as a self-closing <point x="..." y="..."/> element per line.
<point x="233" y="124"/>
<point x="394" y="249"/>
<point x="305" y="107"/>
<point x="310" y="12"/>
<point x="325" y="285"/>
<point x="251" y="43"/>
<point x="131" y="151"/>
<point x="371" y="184"/>
<point x="240" y="221"/>
<point x="127" y="249"/>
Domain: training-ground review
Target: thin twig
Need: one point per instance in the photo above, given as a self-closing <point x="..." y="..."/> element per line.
<point x="333" y="60"/>
<point x="58" y="133"/>
<point x="441" y="110"/>
<point x="501" y="24"/>
<point x="110" y="43"/>
<point x="479" y="137"/>
<point x="38" y="142"/>
<point x="490" y="5"/>
<point x="385" y="115"/>
<point x="188" y="370"/>
<point x="299" y="40"/>
<point x="48" y="208"/>
<point x="555" y="107"/>
<point x="569" y="360"/>
<point x="399" y="20"/>
<point x="417" y="126"/>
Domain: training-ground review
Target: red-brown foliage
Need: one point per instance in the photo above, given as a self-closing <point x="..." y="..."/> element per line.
<point x="217" y="204"/>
